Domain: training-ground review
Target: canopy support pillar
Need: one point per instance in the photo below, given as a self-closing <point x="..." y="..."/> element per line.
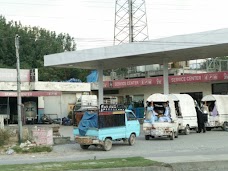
<point x="100" y="85"/>
<point x="165" y="76"/>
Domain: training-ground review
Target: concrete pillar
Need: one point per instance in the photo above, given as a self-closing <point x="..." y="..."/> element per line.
<point x="165" y="76"/>
<point x="100" y="86"/>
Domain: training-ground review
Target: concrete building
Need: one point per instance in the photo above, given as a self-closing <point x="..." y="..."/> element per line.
<point x="53" y="98"/>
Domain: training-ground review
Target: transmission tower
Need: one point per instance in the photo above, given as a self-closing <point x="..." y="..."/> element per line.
<point x="130" y="21"/>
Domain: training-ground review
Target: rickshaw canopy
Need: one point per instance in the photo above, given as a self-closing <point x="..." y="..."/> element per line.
<point x="186" y="104"/>
<point x="221" y="102"/>
<point x="157" y="97"/>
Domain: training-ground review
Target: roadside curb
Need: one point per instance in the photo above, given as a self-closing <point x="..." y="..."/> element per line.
<point x="201" y="166"/>
<point x="149" y="168"/>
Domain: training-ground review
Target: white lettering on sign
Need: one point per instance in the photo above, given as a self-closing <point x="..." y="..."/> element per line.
<point x="132" y="82"/>
<point x="178" y="79"/>
<point x="193" y="78"/>
<point x="118" y="84"/>
<point x="159" y="81"/>
<point x="10" y="94"/>
<point x="225" y="76"/>
<point x="26" y="93"/>
<point x="146" y="82"/>
<point x="52" y="94"/>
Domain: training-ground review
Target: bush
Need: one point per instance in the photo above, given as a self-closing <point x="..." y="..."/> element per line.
<point x="35" y="149"/>
<point x="4" y="136"/>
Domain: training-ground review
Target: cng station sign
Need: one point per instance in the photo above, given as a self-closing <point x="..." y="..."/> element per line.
<point x="188" y="78"/>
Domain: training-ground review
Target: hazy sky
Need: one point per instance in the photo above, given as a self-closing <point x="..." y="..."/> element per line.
<point x="91" y="22"/>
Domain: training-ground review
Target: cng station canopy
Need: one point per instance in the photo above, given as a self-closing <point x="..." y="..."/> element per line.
<point x="172" y="49"/>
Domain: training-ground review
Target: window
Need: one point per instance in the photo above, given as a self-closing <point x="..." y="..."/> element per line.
<point x="131" y="116"/>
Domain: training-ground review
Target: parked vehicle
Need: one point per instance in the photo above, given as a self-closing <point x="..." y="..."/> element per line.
<point x="216" y="108"/>
<point x="158" y="128"/>
<point x="110" y="123"/>
<point x="83" y="103"/>
<point x="30" y="112"/>
<point x="186" y="113"/>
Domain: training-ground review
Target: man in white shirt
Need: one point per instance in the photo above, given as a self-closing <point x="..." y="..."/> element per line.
<point x="167" y="116"/>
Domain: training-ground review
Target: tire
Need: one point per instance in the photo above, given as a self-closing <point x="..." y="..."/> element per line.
<point x="107" y="144"/>
<point x="196" y="129"/>
<point x="131" y="139"/>
<point x="176" y="133"/>
<point x="172" y="136"/>
<point x="225" y="126"/>
<point x="208" y="128"/>
<point x="147" y="137"/>
<point x="84" y="147"/>
<point x="187" y="130"/>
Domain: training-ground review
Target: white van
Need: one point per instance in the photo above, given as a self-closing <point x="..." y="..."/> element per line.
<point x="217" y="109"/>
<point x="186" y="112"/>
<point x="161" y="129"/>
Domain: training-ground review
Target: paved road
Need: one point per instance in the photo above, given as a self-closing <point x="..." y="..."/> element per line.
<point x="194" y="147"/>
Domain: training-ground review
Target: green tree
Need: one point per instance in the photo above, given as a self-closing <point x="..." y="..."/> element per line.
<point x="36" y="42"/>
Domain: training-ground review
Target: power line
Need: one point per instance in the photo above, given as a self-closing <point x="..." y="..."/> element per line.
<point x="34" y="4"/>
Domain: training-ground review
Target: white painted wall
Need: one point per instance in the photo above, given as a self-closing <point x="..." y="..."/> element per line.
<point x="25" y="86"/>
<point x="174" y="88"/>
<point x="52" y="105"/>
<point x="47" y="86"/>
<point x="62" y="86"/>
<point x="58" y="104"/>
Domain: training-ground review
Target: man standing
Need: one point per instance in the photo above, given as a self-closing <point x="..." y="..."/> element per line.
<point x="200" y="120"/>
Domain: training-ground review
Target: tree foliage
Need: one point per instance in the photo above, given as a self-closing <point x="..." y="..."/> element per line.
<point x="36" y="42"/>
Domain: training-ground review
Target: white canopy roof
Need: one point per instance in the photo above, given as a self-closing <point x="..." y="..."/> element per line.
<point x="177" y="48"/>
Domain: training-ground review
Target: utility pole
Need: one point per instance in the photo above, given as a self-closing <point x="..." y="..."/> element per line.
<point x="18" y="88"/>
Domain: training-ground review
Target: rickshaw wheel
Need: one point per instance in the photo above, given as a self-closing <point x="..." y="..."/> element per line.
<point x="225" y="126"/>
<point x="172" y="136"/>
<point x="176" y="133"/>
<point x="147" y="137"/>
<point x="208" y="129"/>
<point x="187" y="130"/>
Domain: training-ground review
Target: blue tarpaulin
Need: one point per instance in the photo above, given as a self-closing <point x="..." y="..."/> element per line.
<point x="74" y="80"/>
<point x="92" y="77"/>
<point x="89" y="120"/>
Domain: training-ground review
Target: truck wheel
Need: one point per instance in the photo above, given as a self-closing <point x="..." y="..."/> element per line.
<point x="131" y="139"/>
<point x="187" y="130"/>
<point x="172" y="136"/>
<point x="84" y="147"/>
<point x="107" y="144"/>
<point x="147" y="137"/>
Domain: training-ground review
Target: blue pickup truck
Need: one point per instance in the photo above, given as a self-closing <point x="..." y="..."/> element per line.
<point x="110" y="123"/>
